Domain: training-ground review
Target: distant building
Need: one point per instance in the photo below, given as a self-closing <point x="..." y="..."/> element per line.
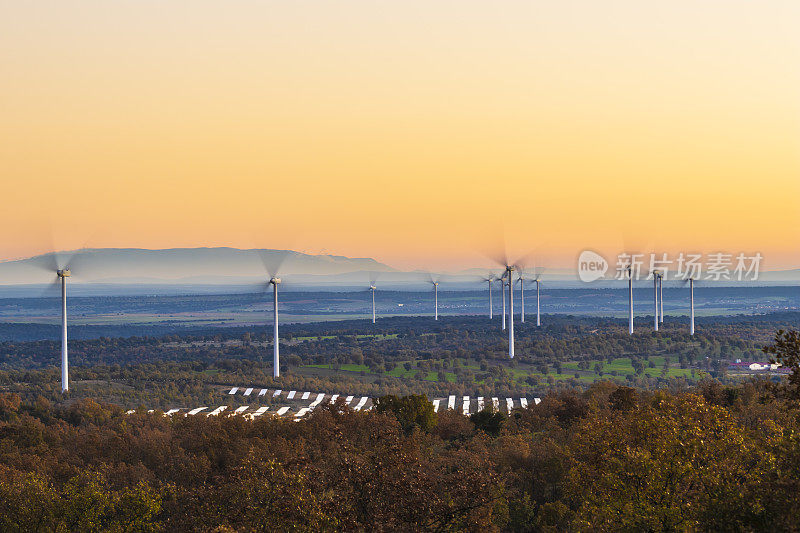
<point x="745" y="366"/>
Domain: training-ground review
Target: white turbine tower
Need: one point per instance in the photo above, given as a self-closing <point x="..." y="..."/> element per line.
<point x="661" y="297"/>
<point x="510" y="271"/>
<point x="489" y="280"/>
<point x="272" y="261"/>
<point x="655" y="301"/>
<point x="372" y="289"/>
<point x="502" y="281"/>
<point x="522" y="296"/>
<point x="63" y="274"/>
<point x="61" y="265"/>
<point x="630" y="300"/>
<point x="435" y="300"/>
<point x="691" y="306"/>
<point x="538" y="316"/>
<point x="276" y="353"/>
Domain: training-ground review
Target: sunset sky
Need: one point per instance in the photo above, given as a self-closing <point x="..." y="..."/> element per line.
<point x="421" y="133"/>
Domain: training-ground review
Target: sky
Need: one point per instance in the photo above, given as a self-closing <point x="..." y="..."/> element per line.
<point x="425" y="134"/>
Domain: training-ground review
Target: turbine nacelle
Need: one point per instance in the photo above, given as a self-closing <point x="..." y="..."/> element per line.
<point x="274" y="281"/>
<point x="63" y="273"/>
<point x="372" y="287"/>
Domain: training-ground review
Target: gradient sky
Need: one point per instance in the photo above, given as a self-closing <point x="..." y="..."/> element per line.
<point x="421" y="133"/>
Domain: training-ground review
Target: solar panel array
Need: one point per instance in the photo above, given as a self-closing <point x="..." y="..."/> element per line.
<point x="468" y="405"/>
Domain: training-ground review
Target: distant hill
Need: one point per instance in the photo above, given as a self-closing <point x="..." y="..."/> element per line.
<point x="195" y="265"/>
<point x="121" y="270"/>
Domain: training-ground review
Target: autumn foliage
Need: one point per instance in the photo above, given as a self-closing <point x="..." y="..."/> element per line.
<point x="608" y="459"/>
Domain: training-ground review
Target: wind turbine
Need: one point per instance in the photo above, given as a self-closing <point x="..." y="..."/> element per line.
<point x="502" y="281"/>
<point x="655" y="300"/>
<point x="510" y="270"/>
<point x="276" y="353"/>
<point x="373" y="282"/>
<point x="58" y="263"/>
<point x="538" y="316"/>
<point x="508" y="276"/>
<point x="63" y="274"/>
<point x="272" y="265"/>
<point x="489" y="280"/>
<point x="435" y="300"/>
<point x="522" y="295"/>
<point x="630" y="300"/>
<point x="372" y="290"/>
<point x="691" y="306"/>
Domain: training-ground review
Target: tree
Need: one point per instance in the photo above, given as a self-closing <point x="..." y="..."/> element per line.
<point x="488" y="421"/>
<point x="636" y="470"/>
<point x="410" y="411"/>
<point x="785" y="351"/>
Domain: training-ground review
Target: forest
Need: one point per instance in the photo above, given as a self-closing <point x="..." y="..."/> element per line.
<point x="609" y="458"/>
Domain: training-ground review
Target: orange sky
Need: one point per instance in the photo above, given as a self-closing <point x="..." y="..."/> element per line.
<point x="418" y="133"/>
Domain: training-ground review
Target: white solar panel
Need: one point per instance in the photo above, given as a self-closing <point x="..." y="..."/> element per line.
<point x="283" y="410"/>
<point x="509" y="404"/>
<point x="333" y="398"/>
<point x="233" y="390"/>
<point x="495" y="404"/>
<point x="480" y="403"/>
<point x="218" y="410"/>
<point x="196" y="410"/>
<point x="172" y="412"/>
<point x="240" y="410"/>
<point x="291" y="394"/>
<point x="263" y="392"/>
<point x="451" y="402"/>
<point x="436" y="406"/>
<point x="537" y="401"/>
<point x="277" y="393"/>
<point x="317" y="400"/>
<point x="361" y="403"/>
<point x="258" y="412"/>
<point x="523" y="402"/>
<point x="305" y="395"/>
<point x="465" y="407"/>
<point x="248" y="391"/>
<point x="348" y="400"/>
<point x="130" y="411"/>
<point x="302" y="412"/>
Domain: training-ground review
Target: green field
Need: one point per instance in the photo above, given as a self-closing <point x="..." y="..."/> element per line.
<point x="619" y="367"/>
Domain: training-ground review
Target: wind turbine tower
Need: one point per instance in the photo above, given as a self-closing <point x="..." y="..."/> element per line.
<point x="661" y="297"/>
<point x="630" y="300"/>
<point x="63" y="274"/>
<point x="538" y="316"/>
<point x="276" y="355"/>
<point x="491" y="306"/>
<point x="522" y="296"/>
<point x="691" y="305"/>
<point x="510" y="271"/>
<point x="655" y="300"/>
<point x="503" y="286"/>
<point x="372" y="290"/>
<point x="436" y="300"/>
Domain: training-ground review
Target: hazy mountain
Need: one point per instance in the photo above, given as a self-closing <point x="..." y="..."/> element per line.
<point x="183" y="270"/>
<point x="195" y="265"/>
